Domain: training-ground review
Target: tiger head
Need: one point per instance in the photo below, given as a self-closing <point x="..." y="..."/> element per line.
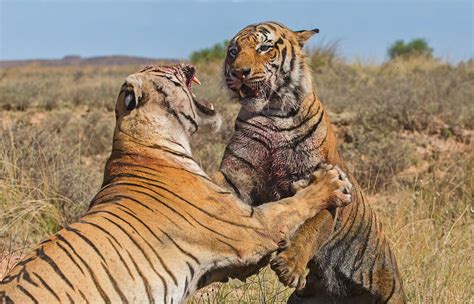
<point x="266" y="68"/>
<point x="157" y="103"/>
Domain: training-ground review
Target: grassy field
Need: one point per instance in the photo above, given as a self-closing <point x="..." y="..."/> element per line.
<point x="405" y="127"/>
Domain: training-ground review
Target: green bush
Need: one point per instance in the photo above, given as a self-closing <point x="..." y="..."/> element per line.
<point x="216" y="52"/>
<point x="416" y="47"/>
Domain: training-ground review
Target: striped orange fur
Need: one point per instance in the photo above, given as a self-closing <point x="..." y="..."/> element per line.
<point x="158" y="229"/>
<point x="282" y="134"/>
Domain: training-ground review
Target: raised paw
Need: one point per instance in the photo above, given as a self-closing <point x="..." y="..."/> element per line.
<point x="333" y="185"/>
<point x="342" y="194"/>
<point x="290" y="269"/>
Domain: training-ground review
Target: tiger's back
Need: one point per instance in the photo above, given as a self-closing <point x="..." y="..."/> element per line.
<point x="131" y="245"/>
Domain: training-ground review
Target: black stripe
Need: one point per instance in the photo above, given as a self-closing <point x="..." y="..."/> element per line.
<point x="335" y="237"/>
<point x="302" y="122"/>
<point x="240" y="158"/>
<point x="366" y="238"/>
<point x="89" y="242"/>
<point x="359" y="218"/>
<point x="42" y="255"/>
<point x="260" y="141"/>
<point x="70" y="256"/>
<point x="270" y="26"/>
<point x="121" y="207"/>
<point x="45" y="242"/>
<point x="69" y="298"/>
<point x="119" y="196"/>
<point x="234" y="187"/>
<point x="25" y="292"/>
<point x="165" y="149"/>
<point x="83" y="297"/>
<point x="116" y="241"/>
<point x="290" y="114"/>
<point x="24" y="262"/>
<point x="150" y="196"/>
<point x="391" y="292"/>
<point x="147" y="258"/>
<point x="157" y="171"/>
<point x="43" y="282"/>
<point x="114" y="284"/>
<point x="192" y="217"/>
<point x="191" y="120"/>
<point x="171" y="151"/>
<point x="371" y="269"/>
<point x="311" y="131"/>
<point x="263" y="143"/>
<point x="261" y="128"/>
<point x="173" y="277"/>
<point x="25" y="275"/>
<point x="157" y="185"/>
<point x="100" y="228"/>
<point x="275" y="66"/>
<point x="117" y="200"/>
<point x="283" y="56"/>
<point x="234" y="249"/>
<point x="264" y="30"/>
<point x="191" y="269"/>
<point x="117" y="252"/>
<point x="94" y="278"/>
<point x="194" y="258"/>
<point x="217" y="218"/>
<point x="350" y="231"/>
<point x="186" y="285"/>
<point x="148" y="290"/>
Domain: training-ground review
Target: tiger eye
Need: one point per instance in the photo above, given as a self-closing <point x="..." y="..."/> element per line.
<point x="130" y="101"/>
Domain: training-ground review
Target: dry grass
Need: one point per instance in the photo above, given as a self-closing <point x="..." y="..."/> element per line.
<point x="405" y="127"/>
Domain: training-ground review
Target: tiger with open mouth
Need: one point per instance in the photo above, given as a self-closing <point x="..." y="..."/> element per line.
<point x="282" y="134"/>
<point x="159" y="228"/>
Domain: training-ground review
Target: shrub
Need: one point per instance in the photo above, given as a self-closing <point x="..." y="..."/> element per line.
<point x="216" y="52"/>
<point x="416" y="47"/>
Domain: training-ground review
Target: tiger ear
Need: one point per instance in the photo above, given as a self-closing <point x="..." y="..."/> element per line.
<point x="304" y="35"/>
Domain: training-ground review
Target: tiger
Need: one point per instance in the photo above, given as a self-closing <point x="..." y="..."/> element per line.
<point x="159" y="228"/>
<point x="282" y="133"/>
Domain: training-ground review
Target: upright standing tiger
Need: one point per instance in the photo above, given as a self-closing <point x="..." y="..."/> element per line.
<point x="158" y="229"/>
<point x="282" y="133"/>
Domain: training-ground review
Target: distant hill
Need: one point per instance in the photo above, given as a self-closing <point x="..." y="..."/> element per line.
<point x="78" y="60"/>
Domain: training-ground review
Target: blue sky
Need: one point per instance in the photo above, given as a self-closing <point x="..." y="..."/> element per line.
<point x="173" y="29"/>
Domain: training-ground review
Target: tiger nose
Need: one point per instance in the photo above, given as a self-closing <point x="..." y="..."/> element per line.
<point x="241" y="73"/>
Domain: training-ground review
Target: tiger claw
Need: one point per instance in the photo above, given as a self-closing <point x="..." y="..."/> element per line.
<point x="289" y="270"/>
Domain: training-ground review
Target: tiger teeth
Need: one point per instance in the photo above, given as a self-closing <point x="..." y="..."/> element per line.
<point x="241" y="93"/>
<point x="196" y="80"/>
<point x="193" y="95"/>
<point x="211" y="106"/>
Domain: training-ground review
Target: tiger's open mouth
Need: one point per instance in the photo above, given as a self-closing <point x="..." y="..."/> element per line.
<point x="189" y="72"/>
<point x="254" y="90"/>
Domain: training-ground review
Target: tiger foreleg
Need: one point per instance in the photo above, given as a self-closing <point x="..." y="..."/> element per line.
<point x="240" y="187"/>
<point x="329" y="188"/>
<point x="290" y="265"/>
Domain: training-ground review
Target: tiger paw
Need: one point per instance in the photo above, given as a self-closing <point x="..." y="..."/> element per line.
<point x="290" y="268"/>
<point x="333" y="181"/>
